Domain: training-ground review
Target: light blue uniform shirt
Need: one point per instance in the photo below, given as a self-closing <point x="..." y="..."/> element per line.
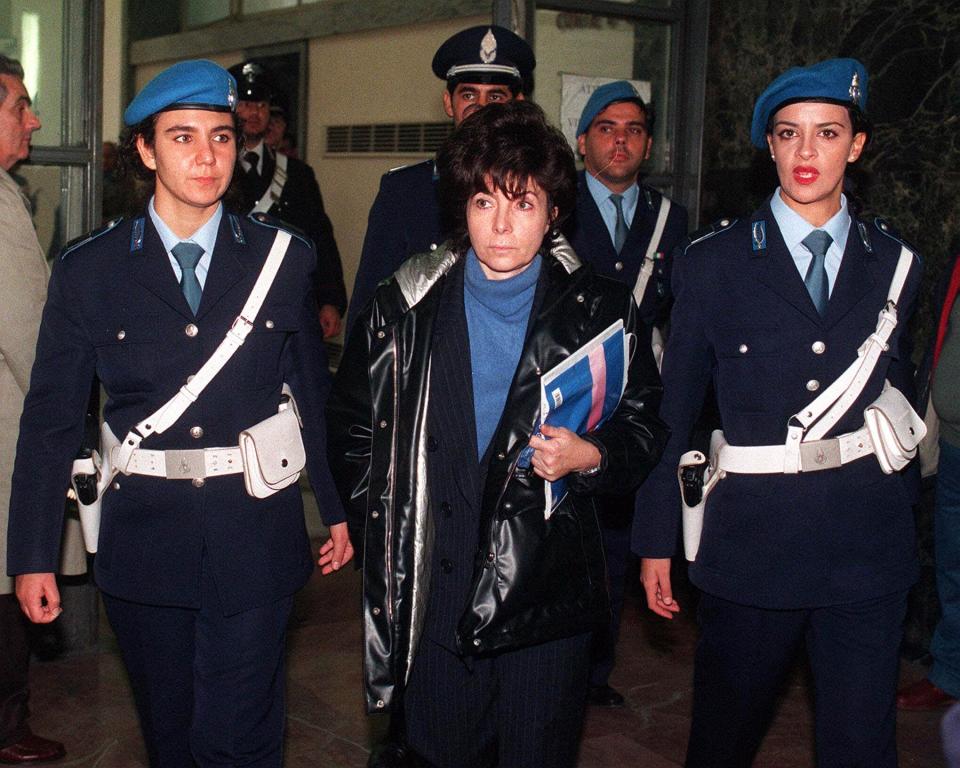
<point x="608" y="210"/>
<point x="794" y="228"/>
<point x="205" y="237"/>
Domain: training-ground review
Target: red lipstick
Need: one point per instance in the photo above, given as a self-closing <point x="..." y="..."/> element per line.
<point x="804" y="174"/>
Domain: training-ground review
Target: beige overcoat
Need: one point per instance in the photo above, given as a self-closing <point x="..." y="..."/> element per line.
<point x="23" y="289"/>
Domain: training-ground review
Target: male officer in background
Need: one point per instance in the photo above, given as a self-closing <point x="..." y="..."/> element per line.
<point x="481" y="65"/>
<point x="22" y="293"/>
<point x="197" y="575"/>
<point x="286" y="188"/>
<point x="627" y="231"/>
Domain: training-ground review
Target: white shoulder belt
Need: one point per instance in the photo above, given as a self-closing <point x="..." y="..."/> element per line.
<point x="275" y="190"/>
<point x="649" y="258"/>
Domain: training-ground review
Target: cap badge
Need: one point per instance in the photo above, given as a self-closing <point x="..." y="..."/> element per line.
<point x="855" y="89"/>
<point x="488" y="48"/>
<point x="231" y="93"/>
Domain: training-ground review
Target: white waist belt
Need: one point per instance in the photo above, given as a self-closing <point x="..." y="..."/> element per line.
<point x="196" y="464"/>
<point x="814" y="455"/>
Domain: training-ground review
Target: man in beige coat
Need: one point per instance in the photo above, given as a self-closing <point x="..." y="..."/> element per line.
<point x="23" y="289"/>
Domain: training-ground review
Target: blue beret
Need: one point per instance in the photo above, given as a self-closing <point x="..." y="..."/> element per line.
<point x="603" y="97"/>
<point x="197" y="84"/>
<point x="841" y="81"/>
<point x="484" y="54"/>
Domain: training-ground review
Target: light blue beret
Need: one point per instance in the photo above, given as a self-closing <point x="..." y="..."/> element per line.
<point x="840" y="81"/>
<point x="603" y="97"/>
<point x="196" y="84"/>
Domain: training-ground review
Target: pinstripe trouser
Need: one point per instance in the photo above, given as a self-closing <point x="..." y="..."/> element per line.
<point x="516" y="709"/>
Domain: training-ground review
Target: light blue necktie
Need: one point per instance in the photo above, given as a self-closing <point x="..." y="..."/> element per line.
<point x="187" y="256"/>
<point x="620" y="230"/>
<point x="817" y="242"/>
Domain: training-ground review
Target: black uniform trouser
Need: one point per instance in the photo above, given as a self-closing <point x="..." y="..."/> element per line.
<point x="209" y="688"/>
<point x="516" y="709"/>
<point x="744" y="654"/>
<point x="616" y="550"/>
<point x="14" y="663"/>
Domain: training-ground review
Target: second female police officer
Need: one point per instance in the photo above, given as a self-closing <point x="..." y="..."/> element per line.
<point x="805" y="538"/>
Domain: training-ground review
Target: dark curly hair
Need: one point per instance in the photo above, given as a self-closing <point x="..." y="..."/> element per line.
<point x="510" y="144"/>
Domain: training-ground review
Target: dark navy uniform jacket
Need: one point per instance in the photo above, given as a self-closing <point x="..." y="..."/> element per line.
<point x="404" y="220"/>
<point x="115" y="309"/>
<point x="591" y="240"/>
<point x="743" y="317"/>
<point x="301" y="206"/>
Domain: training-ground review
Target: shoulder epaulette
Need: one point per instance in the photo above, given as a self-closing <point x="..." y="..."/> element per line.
<point x="90" y="236"/>
<point x="408" y="166"/>
<point x="263" y="220"/>
<point x="887" y="229"/>
<point x="707" y="232"/>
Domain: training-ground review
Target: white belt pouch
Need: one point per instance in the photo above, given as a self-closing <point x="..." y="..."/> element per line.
<point x="273" y="453"/>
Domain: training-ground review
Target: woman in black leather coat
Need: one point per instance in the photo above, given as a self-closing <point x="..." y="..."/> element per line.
<point x="477" y="607"/>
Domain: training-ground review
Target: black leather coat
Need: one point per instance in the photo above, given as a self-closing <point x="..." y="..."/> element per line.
<point x="534" y="579"/>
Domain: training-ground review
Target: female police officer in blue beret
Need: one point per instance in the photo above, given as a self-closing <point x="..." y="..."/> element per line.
<point x="805" y="537"/>
<point x="197" y="575"/>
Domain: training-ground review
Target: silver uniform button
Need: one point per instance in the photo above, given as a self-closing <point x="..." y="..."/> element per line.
<point x="121" y="335"/>
<point x="724" y="222"/>
<point x="197" y="482"/>
<point x="744" y="349"/>
<point x="818" y="347"/>
<point x="618" y="266"/>
<point x="374" y="514"/>
<point x="813" y="385"/>
<point x="116" y="486"/>
<point x="269" y="323"/>
<point x="376" y="611"/>
<point x="383" y="423"/>
<point x="196" y="432"/>
<point x="191" y="330"/>
<point x="433" y="246"/>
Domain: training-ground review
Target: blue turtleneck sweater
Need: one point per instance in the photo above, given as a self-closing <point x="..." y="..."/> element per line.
<point x="497" y="314"/>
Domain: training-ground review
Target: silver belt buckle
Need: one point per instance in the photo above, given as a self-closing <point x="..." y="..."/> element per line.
<point x="820" y="454"/>
<point x="186" y="465"/>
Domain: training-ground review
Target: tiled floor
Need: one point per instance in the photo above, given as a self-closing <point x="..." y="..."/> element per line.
<point x="84" y="700"/>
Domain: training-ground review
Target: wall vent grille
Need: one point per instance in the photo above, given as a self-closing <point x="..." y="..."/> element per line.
<point x="398" y="138"/>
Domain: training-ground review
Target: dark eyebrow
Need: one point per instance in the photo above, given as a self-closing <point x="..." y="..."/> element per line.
<point x="608" y="121"/>
<point x="26" y="100"/>
<point x="193" y="129"/>
<point x="819" y="125"/>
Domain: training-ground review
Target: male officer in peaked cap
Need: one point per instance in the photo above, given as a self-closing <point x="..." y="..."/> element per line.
<point x="481" y="65"/>
<point x="197" y="573"/>
<point x="286" y="188"/>
<point x="799" y="316"/>
<point x="627" y="231"/>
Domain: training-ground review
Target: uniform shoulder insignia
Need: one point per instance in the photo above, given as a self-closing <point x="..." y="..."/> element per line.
<point x="408" y="167"/>
<point x="77" y="242"/>
<point x="888" y="230"/>
<point x="707" y="232"/>
<point x="263" y="220"/>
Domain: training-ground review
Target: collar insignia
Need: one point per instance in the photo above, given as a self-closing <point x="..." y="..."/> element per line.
<point x="759" y="232"/>
<point x="488" y="48"/>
